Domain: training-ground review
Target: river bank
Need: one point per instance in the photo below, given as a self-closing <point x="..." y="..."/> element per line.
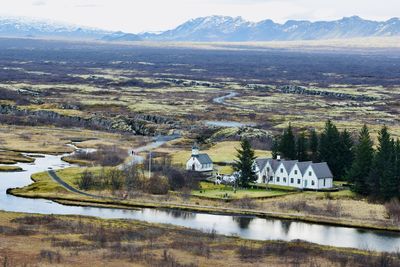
<point x="85" y="241"/>
<point x="77" y="200"/>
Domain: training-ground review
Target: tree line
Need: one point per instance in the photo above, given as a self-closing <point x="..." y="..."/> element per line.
<point x="371" y="170"/>
<point x="331" y="145"/>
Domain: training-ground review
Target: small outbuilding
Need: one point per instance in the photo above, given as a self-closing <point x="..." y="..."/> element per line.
<point x="199" y="162"/>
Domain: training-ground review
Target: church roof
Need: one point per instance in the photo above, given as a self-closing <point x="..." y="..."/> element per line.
<point x="203" y="158"/>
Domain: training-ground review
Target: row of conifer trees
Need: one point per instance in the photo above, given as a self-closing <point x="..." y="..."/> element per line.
<point x="370" y="169"/>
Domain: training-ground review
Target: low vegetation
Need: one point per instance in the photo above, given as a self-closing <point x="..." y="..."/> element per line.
<point x="132" y="178"/>
<point x="10" y="169"/>
<point x="34" y="240"/>
<point x="227" y="192"/>
<point x="11" y="157"/>
<point x="104" y="156"/>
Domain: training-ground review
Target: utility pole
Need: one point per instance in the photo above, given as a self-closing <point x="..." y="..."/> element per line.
<point x="150" y="165"/>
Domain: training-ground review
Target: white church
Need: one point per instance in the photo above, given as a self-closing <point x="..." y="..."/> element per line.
<point x="304" y="175"/>
<point x="199" y="162"/>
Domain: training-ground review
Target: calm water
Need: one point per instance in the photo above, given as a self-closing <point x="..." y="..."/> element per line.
<point x="245" y="227"/>
<point x="227" y="124"/>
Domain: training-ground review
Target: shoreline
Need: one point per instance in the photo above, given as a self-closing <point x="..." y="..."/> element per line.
<point x="111" y="204"/>
<point x="292" y="243"/>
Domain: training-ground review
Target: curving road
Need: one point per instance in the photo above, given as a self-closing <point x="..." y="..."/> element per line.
<point x="72" y="189"/>
<point x="157" y="142"/>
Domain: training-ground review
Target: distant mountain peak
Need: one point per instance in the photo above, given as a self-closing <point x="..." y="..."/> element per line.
<point x="225" y="28"/>
<point x="213" y="28"/>
<point x="30" y="27"/>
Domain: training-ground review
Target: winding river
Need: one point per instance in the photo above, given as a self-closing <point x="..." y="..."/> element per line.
<point x="242" y="226"/>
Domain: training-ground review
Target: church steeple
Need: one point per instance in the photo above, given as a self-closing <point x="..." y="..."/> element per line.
<point x="195" y="150"/>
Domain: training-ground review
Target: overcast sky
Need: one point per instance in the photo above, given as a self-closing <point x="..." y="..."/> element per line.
<point x="154" y="15"/>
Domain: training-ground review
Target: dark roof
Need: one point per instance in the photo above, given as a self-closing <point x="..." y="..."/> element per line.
<point x="322" y="170"/>
<point x="303" y="166"/>
<point x="203" y="158"/>
<point x="289" y="164"/>
<point x="261" y="162"/>
<point x="274" y="164"/>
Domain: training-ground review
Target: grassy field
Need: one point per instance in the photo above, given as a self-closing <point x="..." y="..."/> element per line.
<point x="52" y="140"/>
<point x="210" y="190"/>
<point x="10" y="169"/>
<point x="11" y="157"/>
<point x="222" y="152"/>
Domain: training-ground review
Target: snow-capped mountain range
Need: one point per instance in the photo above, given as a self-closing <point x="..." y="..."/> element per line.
<point x="26" y="27"/>
<point x="220" y="28"/>
<point x="212" y="29"/>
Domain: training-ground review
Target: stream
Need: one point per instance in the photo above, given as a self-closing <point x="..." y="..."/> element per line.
<point x="242" y="226"/>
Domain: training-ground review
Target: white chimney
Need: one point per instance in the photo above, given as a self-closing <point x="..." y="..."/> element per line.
<point x="278" y="157"/>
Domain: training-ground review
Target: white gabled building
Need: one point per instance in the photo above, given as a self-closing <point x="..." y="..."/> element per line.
<point x="304" y="175"/>
<point x="199" y="162"/>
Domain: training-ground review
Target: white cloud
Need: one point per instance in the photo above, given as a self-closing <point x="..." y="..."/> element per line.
<point x="39" y="3"/>
<point x="145" y="15"/>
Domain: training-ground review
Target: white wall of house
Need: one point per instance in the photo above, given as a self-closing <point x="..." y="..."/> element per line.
<point x="269" y="171"/>
<point x="325" y="183"/>
<point x="310" y="180"/>
<point x="297" y="177"/>
<point x="281" y="176"/>
<point x="260" y="173"/>
<point x="193" y="161"/>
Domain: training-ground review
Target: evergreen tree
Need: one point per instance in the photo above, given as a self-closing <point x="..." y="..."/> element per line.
<point x="313" y="146"/>
<point x="275" y="147"/>
<point x="381" y="180"/>
<point x="244" y="164"/>
<point x="363" y="158"/>
<point x="345" y="153"/>
<point x="397" y="165"/>
<point x="288" y="144"/>
<point x="329" y="148"/>
<point x="302" y="148"/>
<point x="397" y="156"/>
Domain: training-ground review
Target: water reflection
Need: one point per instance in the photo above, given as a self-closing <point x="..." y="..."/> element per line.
<point x="243" y="222"/>
<point x="285" y="225"/>
<point x="180" y="214"/>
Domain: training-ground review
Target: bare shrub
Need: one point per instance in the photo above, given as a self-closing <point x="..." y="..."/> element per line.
<point x="393" y="209"/>
<point x="86" y="180"/>
<point x="66" y="243"/>
<point x="50" y="256"/>
<point x="329" y="209"/>
<point x="178" y="179"/>
<point x="157" y="185"/>
<point x="299" y="205"/>
<point x="197" y="247"/>
<point x="115" y="179"/>
<point x="5" y="261"/>
<point x="169" y="260"/>
<point x="25" y="136"/>
<point x="132" y="178"/>
<point x="104" y="156"/>
<point x="334" y="209"/>
<point x="245" y="203"/>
